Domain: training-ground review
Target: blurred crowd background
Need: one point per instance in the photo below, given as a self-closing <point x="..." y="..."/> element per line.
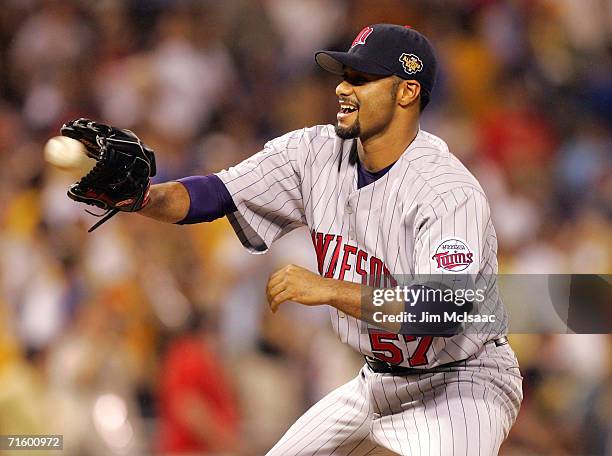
<point x="144" y="338"/>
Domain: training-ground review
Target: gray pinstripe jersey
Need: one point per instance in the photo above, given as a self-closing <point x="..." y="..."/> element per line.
<point x="427" y="215"/>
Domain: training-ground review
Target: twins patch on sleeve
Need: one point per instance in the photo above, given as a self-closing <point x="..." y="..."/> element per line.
<point x="453" y="255"/>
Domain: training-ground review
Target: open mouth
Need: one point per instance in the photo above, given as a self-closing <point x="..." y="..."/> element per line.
<point x="346" y="108"/>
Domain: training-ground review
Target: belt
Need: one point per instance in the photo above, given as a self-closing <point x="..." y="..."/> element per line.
<point x="381" y="367"/>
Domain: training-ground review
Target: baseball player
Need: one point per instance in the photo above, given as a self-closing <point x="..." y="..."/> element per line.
<point x="385" y="203"/>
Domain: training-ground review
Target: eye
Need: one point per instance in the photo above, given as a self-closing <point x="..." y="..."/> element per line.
<point x="356" y="80"/>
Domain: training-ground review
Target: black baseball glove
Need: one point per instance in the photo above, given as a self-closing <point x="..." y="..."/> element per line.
<point x="120" y="180"/>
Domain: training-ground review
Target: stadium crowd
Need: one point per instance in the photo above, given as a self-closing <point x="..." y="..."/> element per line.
<point x="145" y="338"/>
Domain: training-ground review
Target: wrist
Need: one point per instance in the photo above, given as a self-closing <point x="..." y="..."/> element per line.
<point x="330" y="291"/>
<point x="342" y="294"/>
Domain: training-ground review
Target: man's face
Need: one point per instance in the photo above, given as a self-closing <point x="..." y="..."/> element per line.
<point x="367" y="103"/>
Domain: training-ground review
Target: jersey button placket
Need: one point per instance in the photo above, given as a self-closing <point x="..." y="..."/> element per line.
<point x="349" y="211"/>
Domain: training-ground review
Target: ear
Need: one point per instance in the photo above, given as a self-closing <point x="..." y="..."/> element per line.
<point x="408" y="93"/>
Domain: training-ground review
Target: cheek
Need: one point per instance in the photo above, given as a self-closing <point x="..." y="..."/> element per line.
<point x="375" y="109"/>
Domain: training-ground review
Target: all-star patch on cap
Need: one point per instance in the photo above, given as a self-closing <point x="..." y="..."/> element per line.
<point x="385" y="50"/>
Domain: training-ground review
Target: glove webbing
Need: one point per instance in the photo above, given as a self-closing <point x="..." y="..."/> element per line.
<point x="105" y="217"/>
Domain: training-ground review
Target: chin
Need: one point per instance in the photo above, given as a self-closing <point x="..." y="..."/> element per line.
<point x="350" y="132"/>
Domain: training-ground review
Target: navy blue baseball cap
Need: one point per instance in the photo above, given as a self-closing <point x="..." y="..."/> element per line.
<point x="385" y="50"/>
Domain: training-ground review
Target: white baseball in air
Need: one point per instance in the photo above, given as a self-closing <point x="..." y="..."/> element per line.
<point x="67" y="153"/>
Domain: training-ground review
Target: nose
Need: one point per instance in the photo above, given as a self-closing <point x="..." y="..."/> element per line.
<point x="344" y="89"/>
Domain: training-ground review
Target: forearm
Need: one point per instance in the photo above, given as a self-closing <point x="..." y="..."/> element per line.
<point x="168" y="202"/>
<point x="193" y="199"/>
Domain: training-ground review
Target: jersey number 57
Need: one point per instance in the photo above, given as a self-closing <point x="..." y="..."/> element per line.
<point x="385" y="349"/>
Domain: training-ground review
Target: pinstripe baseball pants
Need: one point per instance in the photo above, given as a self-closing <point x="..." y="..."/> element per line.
<point x="460" y="410"/>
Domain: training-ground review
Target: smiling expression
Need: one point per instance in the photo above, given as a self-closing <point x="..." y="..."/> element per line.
<point x="367" y="104"/>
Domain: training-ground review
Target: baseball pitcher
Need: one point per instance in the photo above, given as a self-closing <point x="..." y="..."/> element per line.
<point x="389" y="209"/>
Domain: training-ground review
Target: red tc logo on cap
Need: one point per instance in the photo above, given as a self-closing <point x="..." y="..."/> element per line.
<point x="362" y="37"/>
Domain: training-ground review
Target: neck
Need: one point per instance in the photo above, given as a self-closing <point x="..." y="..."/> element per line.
<point x="381" y="150"/>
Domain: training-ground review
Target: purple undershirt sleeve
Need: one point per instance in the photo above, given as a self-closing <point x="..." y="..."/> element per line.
<point x="209" y="199"/>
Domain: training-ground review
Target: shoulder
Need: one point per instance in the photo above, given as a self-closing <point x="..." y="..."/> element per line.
<point x="436" y="169"/>
<point x="304" y="138"/>
<point x="315" y="148"/>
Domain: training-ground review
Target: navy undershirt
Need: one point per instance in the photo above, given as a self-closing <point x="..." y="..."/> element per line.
<point x="209" y="199"/>
<point x="365" y="177"/>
